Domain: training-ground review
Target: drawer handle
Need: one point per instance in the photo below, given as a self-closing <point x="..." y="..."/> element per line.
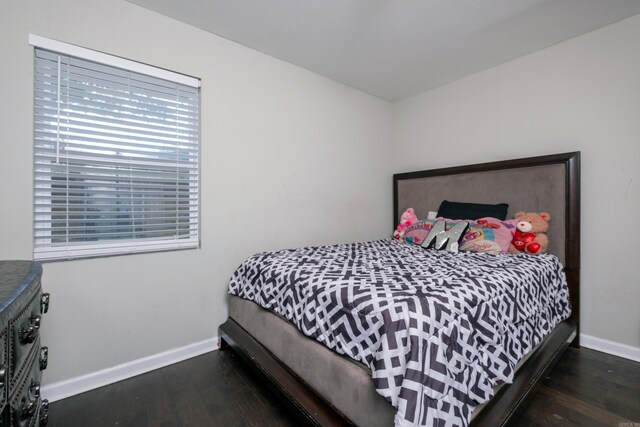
<point x="35" y="389"/>
<point x="3" y="375"/>
<point x="44" y="358"/>
<point x="30" y="408"/>
<point x="29" y="334"/>
<point x="44" y="412"/>
<point x="44" y="302"/>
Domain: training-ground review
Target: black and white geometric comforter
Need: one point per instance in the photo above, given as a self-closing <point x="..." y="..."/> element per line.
<point x="437" y="329"/>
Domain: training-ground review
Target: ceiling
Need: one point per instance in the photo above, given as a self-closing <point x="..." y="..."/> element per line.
<point x="395" y="48"/>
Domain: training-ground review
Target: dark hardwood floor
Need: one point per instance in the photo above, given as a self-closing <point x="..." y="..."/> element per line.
<point x="586" y="388"/>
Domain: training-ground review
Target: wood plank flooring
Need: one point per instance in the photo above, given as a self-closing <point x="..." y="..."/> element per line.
<point x="586" y="388"/>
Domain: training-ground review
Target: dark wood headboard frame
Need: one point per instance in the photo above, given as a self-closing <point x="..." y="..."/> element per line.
<point x="571" y="162"/>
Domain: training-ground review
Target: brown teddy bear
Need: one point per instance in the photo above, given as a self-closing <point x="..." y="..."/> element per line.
<point x="529" y="236"/>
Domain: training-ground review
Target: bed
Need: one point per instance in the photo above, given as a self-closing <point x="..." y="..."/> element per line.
<point x="325" y="388"/>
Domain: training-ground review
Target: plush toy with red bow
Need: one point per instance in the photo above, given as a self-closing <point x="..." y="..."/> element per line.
<point x="530" y="234"/>
<point x="407" y="218"/>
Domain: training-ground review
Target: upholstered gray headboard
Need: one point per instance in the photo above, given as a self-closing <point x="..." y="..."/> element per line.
<point x="533" y="189"/>
<point x="536" y="184"/>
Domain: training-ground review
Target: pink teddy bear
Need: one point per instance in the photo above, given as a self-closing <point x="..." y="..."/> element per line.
<point x="407" y="218"/>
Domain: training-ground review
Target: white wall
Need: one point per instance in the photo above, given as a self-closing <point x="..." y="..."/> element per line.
<point x="580" y="95"/>
<point x="288" y="158"/>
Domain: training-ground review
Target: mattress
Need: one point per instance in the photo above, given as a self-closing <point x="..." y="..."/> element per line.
<point x="437" y="330"/>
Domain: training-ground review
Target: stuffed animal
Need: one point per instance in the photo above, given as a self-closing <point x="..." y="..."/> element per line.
<point x="529" y="236"/>
<point x="407" y="218"/>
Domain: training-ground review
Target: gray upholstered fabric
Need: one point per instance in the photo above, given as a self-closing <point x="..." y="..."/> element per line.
<point x="530" y="189"/>
<point x="343" y="382"/>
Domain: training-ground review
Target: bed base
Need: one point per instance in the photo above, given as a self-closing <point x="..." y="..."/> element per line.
<point x="311" y="409"/>
<point x="307" y="406"/>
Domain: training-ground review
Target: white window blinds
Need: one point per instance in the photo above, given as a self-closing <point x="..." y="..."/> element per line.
<point x="116" y="160"/>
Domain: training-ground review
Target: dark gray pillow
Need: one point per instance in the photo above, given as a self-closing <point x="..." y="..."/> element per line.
<point x="459" y="210"/>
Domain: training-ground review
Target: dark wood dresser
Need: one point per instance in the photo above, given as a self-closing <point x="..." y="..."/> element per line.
<point x="22" y="356"/>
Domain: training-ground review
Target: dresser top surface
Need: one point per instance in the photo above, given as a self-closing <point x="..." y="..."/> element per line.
<point x="15" y="278"/>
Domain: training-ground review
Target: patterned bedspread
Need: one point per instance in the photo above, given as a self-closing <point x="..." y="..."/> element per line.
<point x="437" y="329"/>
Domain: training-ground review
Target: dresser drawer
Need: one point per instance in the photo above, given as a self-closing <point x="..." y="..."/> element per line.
<point x="24" y="330"/>
<point x="27" y="407"/>
<point x="4" y="368"/>
<point x="22" y="360"/>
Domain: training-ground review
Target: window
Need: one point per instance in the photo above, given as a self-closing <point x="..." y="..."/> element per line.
<point x="116" y="155"/>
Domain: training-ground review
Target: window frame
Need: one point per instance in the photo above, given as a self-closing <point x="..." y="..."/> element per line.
<point x="47" y="250"/>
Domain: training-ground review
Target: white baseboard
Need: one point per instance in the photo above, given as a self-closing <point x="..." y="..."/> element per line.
<point x="610" y="347"/>
<point x="77" y="385"/>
